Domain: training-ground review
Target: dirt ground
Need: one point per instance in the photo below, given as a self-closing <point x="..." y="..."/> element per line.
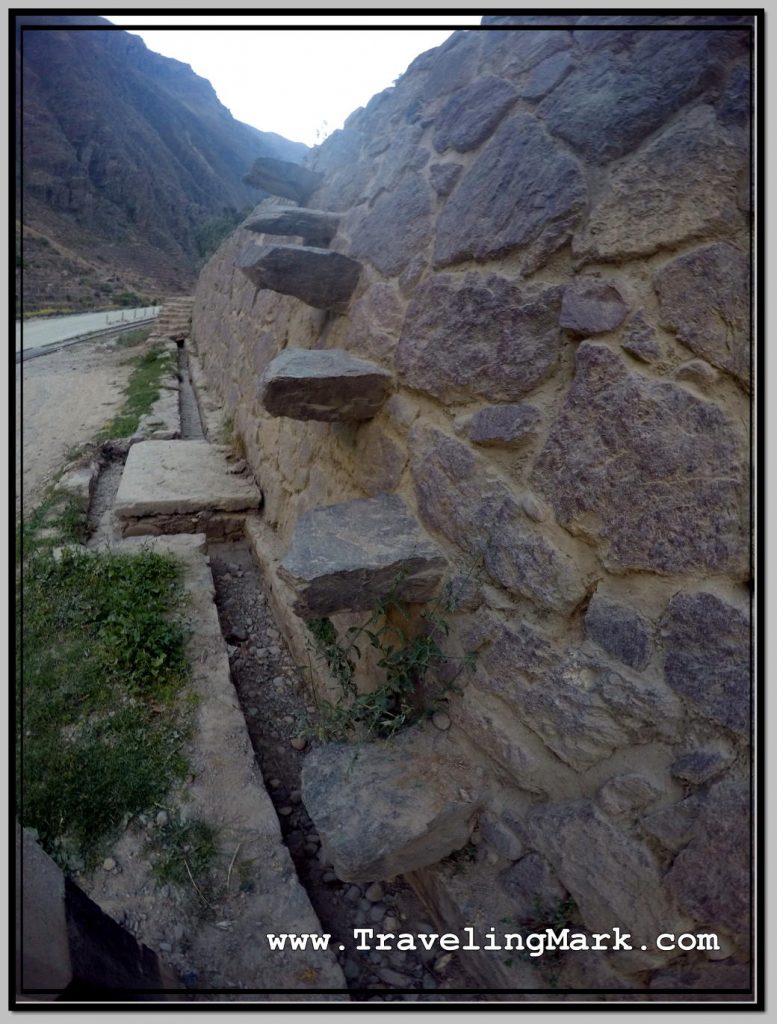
<point x="62" y="400"/>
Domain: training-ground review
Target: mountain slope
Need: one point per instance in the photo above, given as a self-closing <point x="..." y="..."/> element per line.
<point x="128" y="161"/>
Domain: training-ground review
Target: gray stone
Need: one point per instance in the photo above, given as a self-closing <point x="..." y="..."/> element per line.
<point x="383" y="809"/>
<point x="715" y="977"/>
<point x="698" y="372"/>
<point x="502" y="425"/>
<point x="619" y="630"/>
<point x="500" y="832"/>
<point x="458" y="497"/>
<point x="607" y="107"/>
<point x="653" y="473"/>
<point x="282" y="178"/>
<point x="395" y="227"/>
<point x="592" y="306"/>
<point x="682" y="184"/>
<point x="707" y="645"/>
<point x="522" y="192"/>
<point x="441" y="721"/>
<point x="318" y="277"/>
<point x="323" y="384"/>
<point x="454" y="64"/>
<point x="710" y="878"/>
<point x="317" y="227"/>
<point x="463" y="593"/>
<point x="579" y="707"/>
<point x="350" y="557"/>
<point x="374" y="893"/>
<point x="613" y="878"/>
<point x="705" y="300"/>
<point x="735" y="101"/>
<point x="673" y="826"/>
<point x="625" y="794"/>
<point x="180" y="477"/>
<point x="472" y="113"/>
<point x="699" y="766"/>
<point x="641" y="341"/>
<point x="546" y="76"/>
<point x="79" y="482"/>
<point x="391" y="977"/>
<point x="374" y="322"/>
<point x="480" y="335"/>
<point x="512" y="54"/>
<point x="533" y="888"/>
<point x="444" y="176"/>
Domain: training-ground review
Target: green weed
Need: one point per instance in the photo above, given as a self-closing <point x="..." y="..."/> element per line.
<point x="141" y="392"/>
<point x="406" y="657"/>
<point x="183" y="853"/>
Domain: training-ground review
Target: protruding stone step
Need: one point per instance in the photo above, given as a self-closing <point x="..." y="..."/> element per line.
<point x="350" y="557"/>
<point x="323" y="384"/>
<point x="316" y="227"/>
<point x="319" y="277"/>
<point x="282" y="178"/>
<point x="182" y="487"/>
<point x="383" y="809"/>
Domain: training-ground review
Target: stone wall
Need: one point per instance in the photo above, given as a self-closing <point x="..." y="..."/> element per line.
<point x="554" y="232"/>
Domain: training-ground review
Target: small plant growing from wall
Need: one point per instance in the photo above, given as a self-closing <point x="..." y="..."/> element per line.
<point x="406" y="657"/>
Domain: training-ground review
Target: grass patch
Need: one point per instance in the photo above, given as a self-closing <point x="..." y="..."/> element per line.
<point x="59" y="519"/>
<point x="184" y="853"/>
<point x="141" y="392"/>
<point x="101" y="714"/>
<point x="133" y="338"/>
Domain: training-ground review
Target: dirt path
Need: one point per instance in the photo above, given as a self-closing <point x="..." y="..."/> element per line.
<point x="62" y="400"/>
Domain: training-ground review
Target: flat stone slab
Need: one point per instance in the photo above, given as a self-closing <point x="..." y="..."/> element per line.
<point x="318" y="277"/>
<point x="350" y="557"/>
<point x="383" y="809"/>
<point x="162" y="477"/>
<point x="323" y="384"/>
<point x="317" y="227"/>
<point x="283" y="178"/>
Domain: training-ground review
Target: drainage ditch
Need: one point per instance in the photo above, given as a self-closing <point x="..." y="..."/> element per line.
<point x="271" y="692"/>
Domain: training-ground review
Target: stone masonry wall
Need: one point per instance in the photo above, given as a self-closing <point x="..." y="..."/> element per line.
<point x="554" y="228"/>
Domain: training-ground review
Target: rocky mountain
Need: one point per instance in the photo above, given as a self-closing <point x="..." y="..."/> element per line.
<point x="128" y="166"/>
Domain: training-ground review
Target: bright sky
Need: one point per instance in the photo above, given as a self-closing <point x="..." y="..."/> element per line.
<point x="302" y="83"/>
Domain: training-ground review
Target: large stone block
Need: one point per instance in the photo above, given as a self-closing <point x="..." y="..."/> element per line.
<point x="705" y="299"/>
<point x="317" y="227"/>
<point x="523" y="192"/>
<point x="502" y="425"/>
<point x="652" y="473"/>
<point x="608" y="106"/>
<point x="579" y="707"/>
<point x="683" y="184"/>
<point x="472" y="113"/>
<point x="592" y="306"/>
<point x="282" y="178"/>
<point x="319" y="277"/>
<point x="613" y="878"/>
<point x="323" y="384"/>
<point x="619" y="630"/>
<point x="350" y="557"/>
<point x="459" y="497"/>
<point x="396" y="227"/>
<point x="707" y="645"/>
<point x="710" y="878"/>
<point x="479" y="336"/>
<point x="383" y="809"/>
<point x="177" y="477"/>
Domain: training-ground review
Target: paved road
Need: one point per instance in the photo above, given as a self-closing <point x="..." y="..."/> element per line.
<point x="35" y="333"/>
